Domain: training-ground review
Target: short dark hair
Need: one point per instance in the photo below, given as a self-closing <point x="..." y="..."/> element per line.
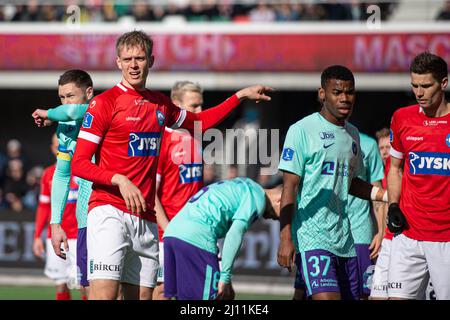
<point x="426" y="62"/>
<point x="81" y="78"/>
<point x="337" y="72"/>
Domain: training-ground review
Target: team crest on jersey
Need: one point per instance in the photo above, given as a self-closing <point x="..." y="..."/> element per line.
<point x="288" y="154"/>
<point x="354" y="148"/>
<point x="87" y="121"/>
<point x="436" y="163"/>
<point x="191" y="172"/>
<point x="144" y="144"/>
<point x="161" y="118"/>
<point x="447" y="140"/>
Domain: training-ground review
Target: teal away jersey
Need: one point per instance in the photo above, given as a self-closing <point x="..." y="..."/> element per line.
<point x="208" y="215"/>
<point x="359" y="209"/>
<point x="326" y="157"/>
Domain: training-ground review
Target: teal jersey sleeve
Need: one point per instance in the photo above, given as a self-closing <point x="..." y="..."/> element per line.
<point x="215" y="210"/>
<point x="84" y="193"/>
<point x="375" y="168"/>
<point x="231" y="246"/>
<point x="293" y="156"/>
<point x="359" y="210"/>
<point x="60" y="187"/>
<point x="67" y="112"/>
<point x="67" y="133"/>
<point x="251" y="208"/>
<point x="359" y="169"/>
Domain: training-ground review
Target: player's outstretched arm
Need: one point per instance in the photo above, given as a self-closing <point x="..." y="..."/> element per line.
<point x="257" y="93"/>
<point x="286" y="249"/>
<point x="67" y="112"/>
<point x="364" y="190"/>
<point x="40" y="117"/>
<point x="213" y="116"/>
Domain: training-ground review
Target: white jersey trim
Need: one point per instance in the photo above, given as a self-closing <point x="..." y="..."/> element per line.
<point x="89" y="137"/>
<point x="122" y="87"/>
<point x="396" y="154"/>
<point x="44" y="199"/>
<point x="180" y="119"/>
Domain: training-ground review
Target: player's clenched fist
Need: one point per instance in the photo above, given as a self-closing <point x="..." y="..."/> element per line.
<point x="40" y="117"/>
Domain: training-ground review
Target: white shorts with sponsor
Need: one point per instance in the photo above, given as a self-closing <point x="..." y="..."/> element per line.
<point x="413" y="263"/>
<point x="160" y="278"/>
<point x="121" y="247"/>
<point x="60" y="270"/>
<point x="380" y="275"/>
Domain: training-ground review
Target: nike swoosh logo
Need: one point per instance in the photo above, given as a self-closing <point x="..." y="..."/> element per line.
<point x="327" y="146"/>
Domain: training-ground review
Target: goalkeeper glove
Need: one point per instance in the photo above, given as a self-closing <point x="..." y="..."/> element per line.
<point x="396" y="220"/>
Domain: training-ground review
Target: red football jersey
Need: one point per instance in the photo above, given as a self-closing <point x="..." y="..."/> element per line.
<point x="424" y="143"/>
<point x="43" y="214"/>
<point x="124" y="128"/>
<point x="180" y="171"/>
<point x="128" y="125"/>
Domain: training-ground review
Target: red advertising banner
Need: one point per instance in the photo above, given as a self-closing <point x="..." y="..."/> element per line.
<point x="388" y="52"/>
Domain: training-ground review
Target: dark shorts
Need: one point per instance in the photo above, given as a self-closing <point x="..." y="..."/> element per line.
<point x="365" y="267"/>
<point x="82" y="257"/>
<point x="322" y="271"/>
<point x="190" y="273"/>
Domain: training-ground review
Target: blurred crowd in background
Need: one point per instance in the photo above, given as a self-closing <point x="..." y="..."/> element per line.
<point x="199" y="10"/>
<point x="19" y="182"/>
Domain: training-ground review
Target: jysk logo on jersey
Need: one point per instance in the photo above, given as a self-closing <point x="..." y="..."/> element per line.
<point x="161" y="118"/>
<point x="87" y="121"/>
<point x="447" y="140"/>
<point x="436" y="163"/>
<point x="288" y="154"/>
<point x="144" y="144"/>
<point x="191" y="172"/>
